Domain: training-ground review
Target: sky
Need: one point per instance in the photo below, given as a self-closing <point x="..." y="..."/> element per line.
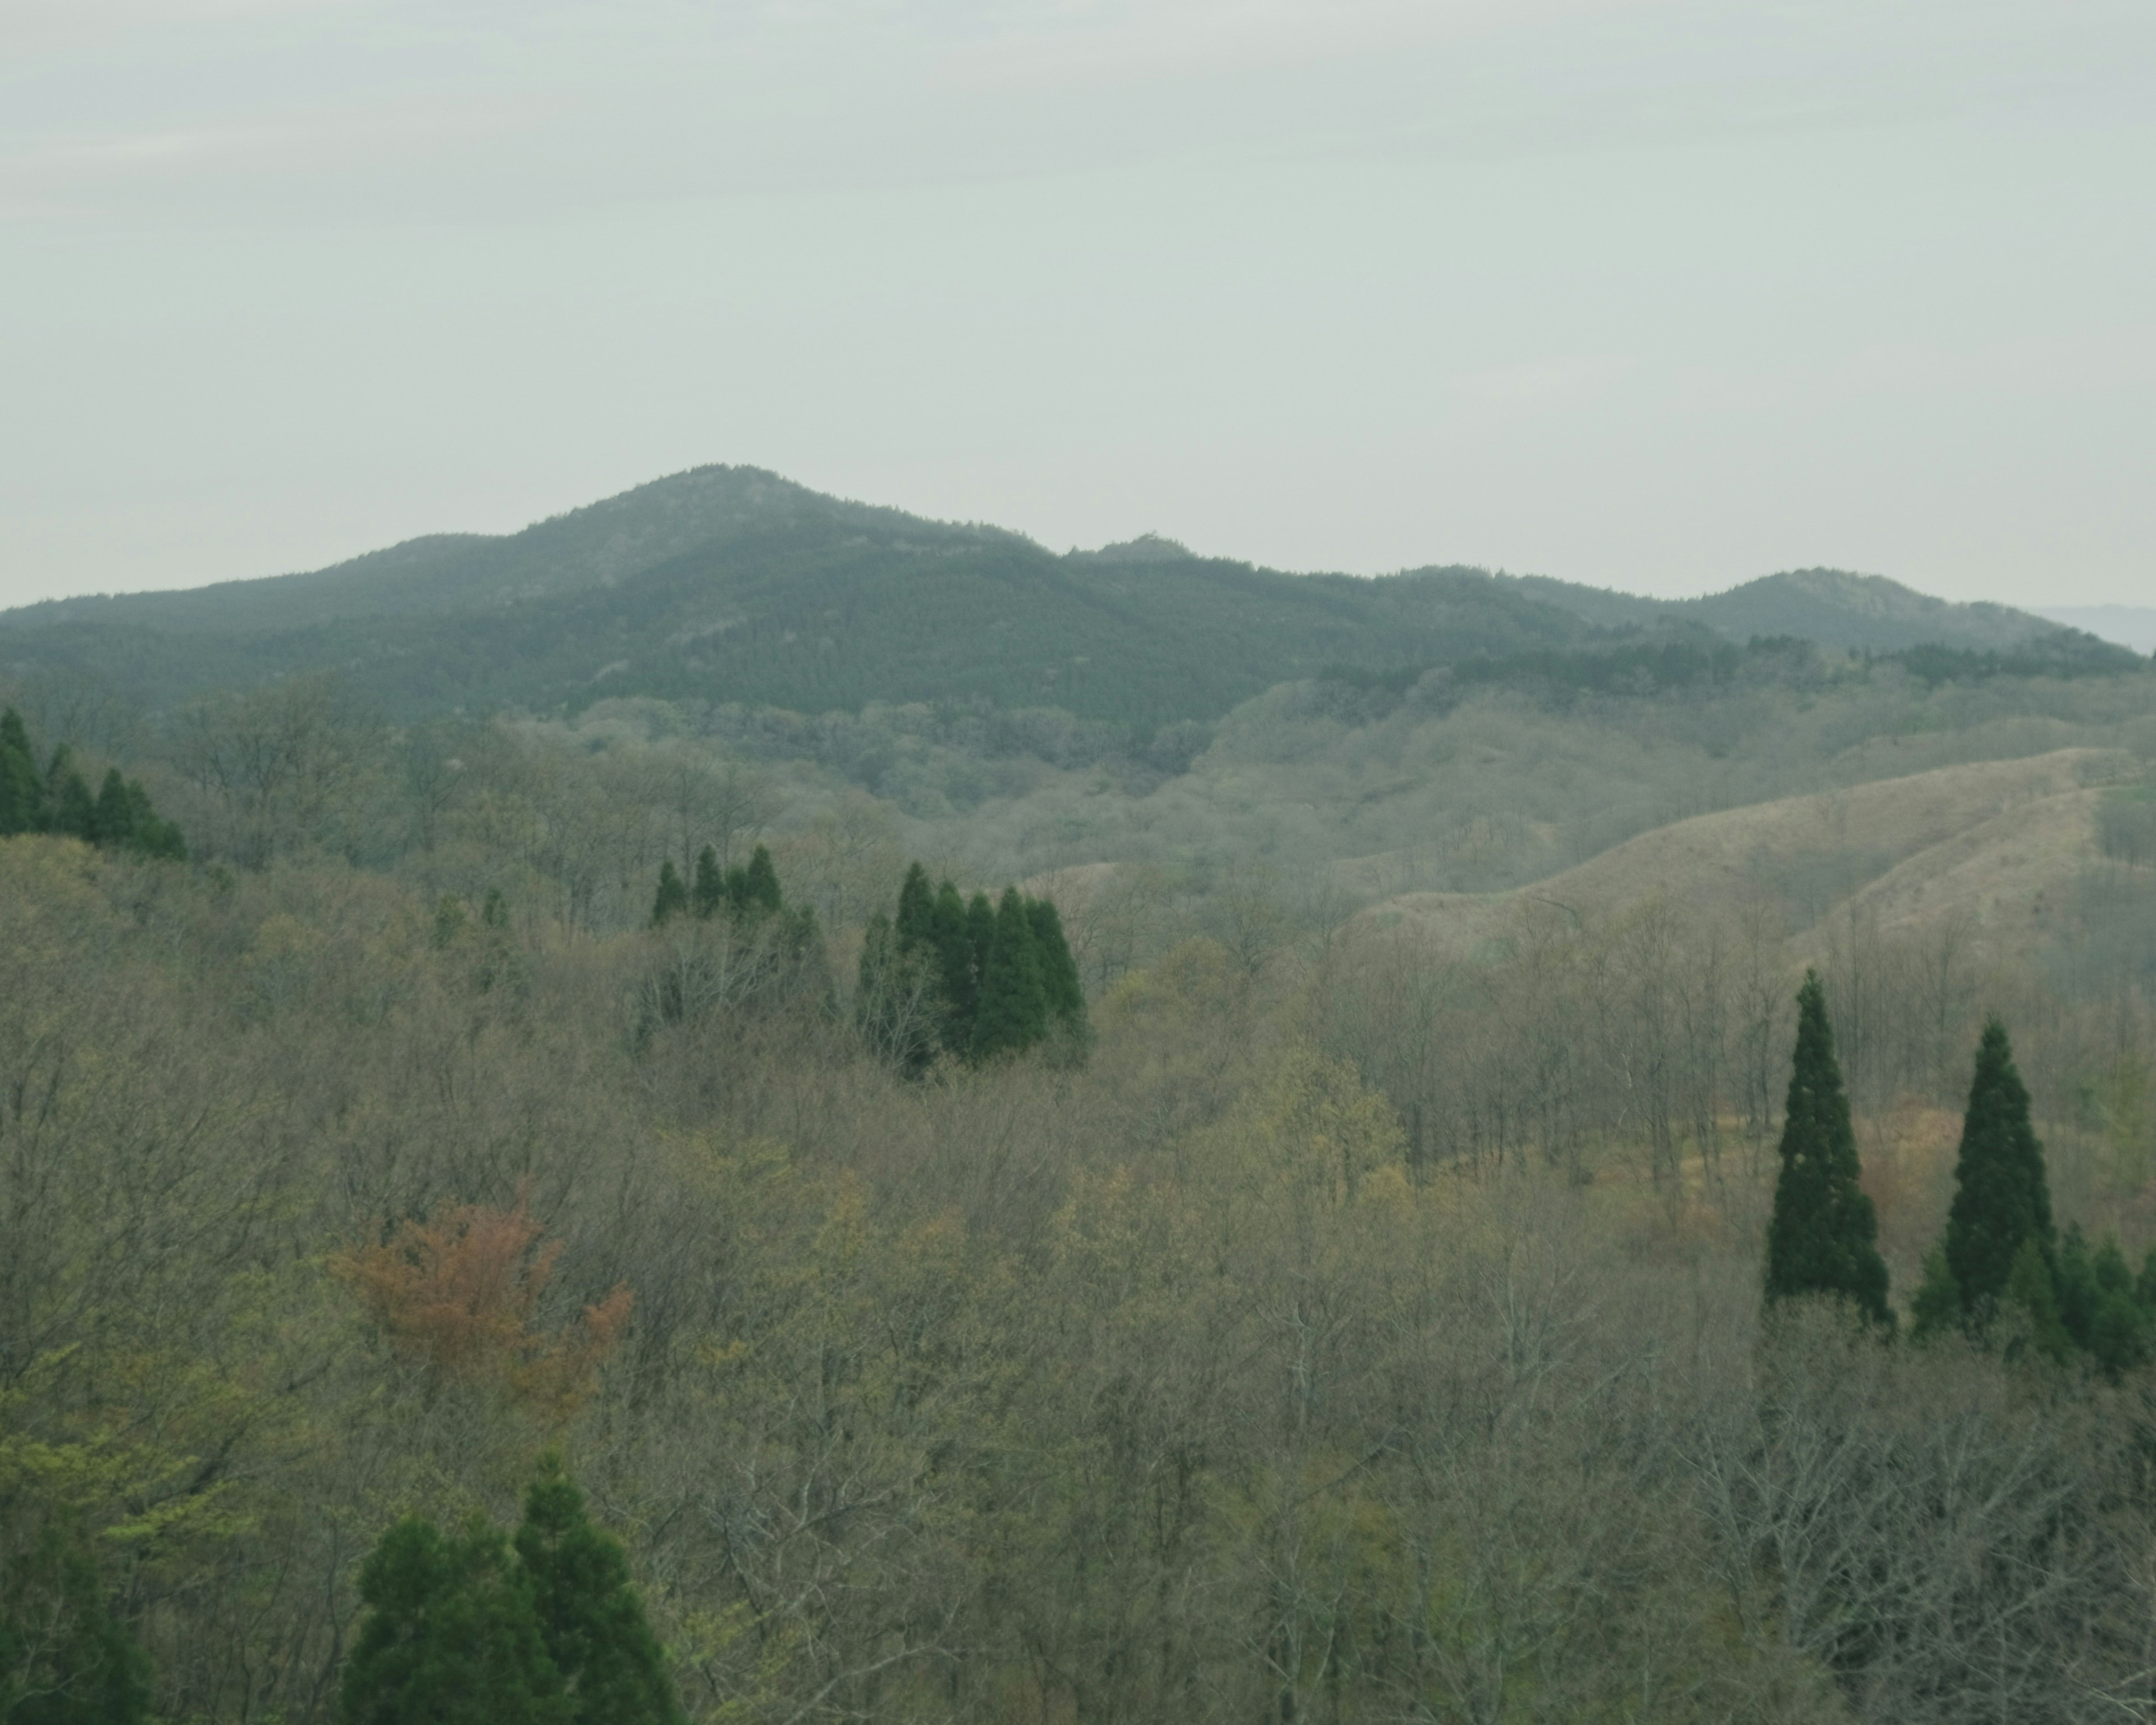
<point x="1661" y="294"/>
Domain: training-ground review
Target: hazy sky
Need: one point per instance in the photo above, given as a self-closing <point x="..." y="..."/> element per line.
<point x="1658" y="294"/>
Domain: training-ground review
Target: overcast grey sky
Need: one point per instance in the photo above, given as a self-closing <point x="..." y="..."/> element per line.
<point x="1657" y="294"/>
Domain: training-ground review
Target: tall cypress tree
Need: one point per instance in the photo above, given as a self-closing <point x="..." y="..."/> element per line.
<point x="960" y="983"/>
<point x="1014" y="1012"/>
<point x="1058" y="970"/>
<point x="1823" y="1236"/>
<point x="69" y="808"/>
<point x="590" y="1618"/>
<point x="709" y="890"/>
<point x="452" y="1636"/>
<point x="760" y="891"/>
<point x="915" y="924"/>
<point x="2002" y="1200"/>
<point x="22" y="793"/>
<point x="672" y="897"/>
<point x="980" y="934"/>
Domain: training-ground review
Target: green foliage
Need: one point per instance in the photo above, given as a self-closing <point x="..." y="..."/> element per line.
<point x="950" y="930"/>
<point x="59" y="800"/>
<point x="758" y="894"/>
<point x="590" y="1618"/>
<point x="452" y="1636"/>
<point x="468" y="1630"/>
<point x="2002" y="1200"/>
<point x="1936" y="1307"/>
<point x="1013" y="1010"/>
<point x="1058" y="970"/>
<point x="1822" y="1238"/>
<point x="709" y="890"/>
<point x="2031" y="1294"/>
<point x="1000" y="976"/>
<point x="915" y="922"/>
<point x="672" y="897"/>
<point x="64" y="1659"/>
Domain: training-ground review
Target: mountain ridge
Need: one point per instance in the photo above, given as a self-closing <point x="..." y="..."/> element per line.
<point x="729" y="583"/>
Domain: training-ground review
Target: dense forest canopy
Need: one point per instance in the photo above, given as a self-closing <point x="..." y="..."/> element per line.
<point x="1610" y="1176"/>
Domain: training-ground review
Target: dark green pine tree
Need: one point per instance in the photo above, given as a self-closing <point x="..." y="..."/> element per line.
<point x="1822" y="1239"/>
<point x="1058" y="970"/>
<point x="760" y="884"/>
<point x="64" y="1659"/>
<point x="22" y="792"/>
<point x="1013" y="1011"/>
<point x="69" y="808"/>
<point x="672" y="898"/>
<point x="2002" y="1200"/>
<point x="452" y="1636"/>
<point x="112" y="817"/>
<point x="959" y="982"/>
<point x="915" y="924"/>
<point x="709" y="890"/>
<point x="590" y="1618"/>
<point x="980" y="935"/>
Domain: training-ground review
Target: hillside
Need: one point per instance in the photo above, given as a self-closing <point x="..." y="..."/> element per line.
<point x="1993" y="843"/>
<point x="733" y="585"/>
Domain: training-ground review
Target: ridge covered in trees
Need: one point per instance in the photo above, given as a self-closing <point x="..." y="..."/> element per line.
<point x="732" y="584"/>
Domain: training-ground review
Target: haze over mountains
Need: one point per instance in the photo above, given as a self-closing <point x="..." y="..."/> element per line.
<point x="730" y="583"/>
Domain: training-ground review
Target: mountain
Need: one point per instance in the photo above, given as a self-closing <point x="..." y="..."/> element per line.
<point x="732" y="584"/>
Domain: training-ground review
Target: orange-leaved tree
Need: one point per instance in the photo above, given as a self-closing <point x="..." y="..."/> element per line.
<point x="460" y="1293"/>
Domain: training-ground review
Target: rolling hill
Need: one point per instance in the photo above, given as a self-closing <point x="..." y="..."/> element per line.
<point x="732" y="584"/>
<point x="1994" y="843"/>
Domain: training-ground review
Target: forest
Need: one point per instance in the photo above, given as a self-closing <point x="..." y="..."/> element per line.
<point x="967" y="1212"/>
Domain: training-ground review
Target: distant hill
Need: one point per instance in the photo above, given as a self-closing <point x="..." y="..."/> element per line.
<point x="1839" y="609"/>
<point x="1995" y="842"/>
<point x="2129" y="625"/>
<point x="732" y="584"/>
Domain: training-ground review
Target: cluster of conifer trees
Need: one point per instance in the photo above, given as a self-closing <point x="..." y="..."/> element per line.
<point x="2002" y="1272"/>
<point x="58" y="799"/>
<point x="474" y="1629"/>
<point x="744" y="894"/>
<point x="974" y="979"/>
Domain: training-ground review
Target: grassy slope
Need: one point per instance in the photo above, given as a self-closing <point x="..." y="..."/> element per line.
<point x="1993" y="841"/>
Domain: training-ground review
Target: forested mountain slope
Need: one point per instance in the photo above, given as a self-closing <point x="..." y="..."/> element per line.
<point x="730" y="584"/>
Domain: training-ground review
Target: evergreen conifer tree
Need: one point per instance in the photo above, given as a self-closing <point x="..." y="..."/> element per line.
<point x="1823" y="1233"/>
<point x="70" y="809"/>
<point x="760" y="893"/>
<point x="980" y="934"/>
<point x="452" y="1636"/>
<point x="1058" y="970"/>
<point x="2002" y="1200"/>
<point x="672" y="898"/>
<point x="959" y="978"/>
<point x="64" y="1659"/>
<point x="1013" y="1011"/>
<point x="709" y="890"/>
<point x="590" y="1618"/>
<point x="915" y="925"/>
<point x="22" y="793"/>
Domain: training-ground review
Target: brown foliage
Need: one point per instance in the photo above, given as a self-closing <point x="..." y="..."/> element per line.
<point x="460" y="1294"/>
